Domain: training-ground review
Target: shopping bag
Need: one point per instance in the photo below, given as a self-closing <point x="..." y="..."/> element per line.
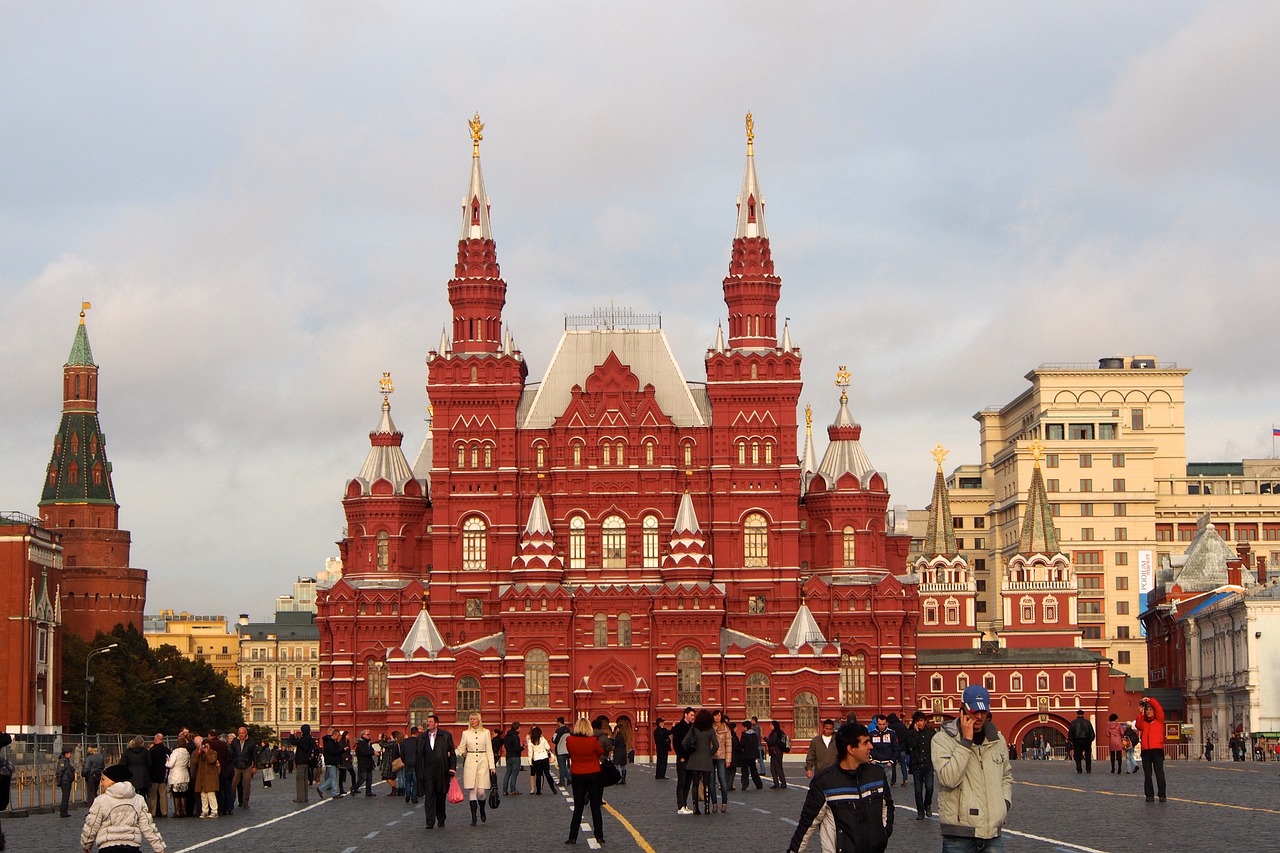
<point x="455" y="791"/>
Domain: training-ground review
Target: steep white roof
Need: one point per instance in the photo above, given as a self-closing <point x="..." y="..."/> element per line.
<point x="423" y="637"/>
<point x="804" y="629"/>
<point x="645" y="351"/>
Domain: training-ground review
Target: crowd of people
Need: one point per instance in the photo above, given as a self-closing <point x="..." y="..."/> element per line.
<point x="851" y="770"/>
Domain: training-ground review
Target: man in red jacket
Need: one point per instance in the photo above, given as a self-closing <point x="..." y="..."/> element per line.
<point x="1150" y="725"/>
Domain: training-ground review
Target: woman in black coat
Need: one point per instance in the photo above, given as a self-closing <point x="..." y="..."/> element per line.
<point x="138" y="760"/>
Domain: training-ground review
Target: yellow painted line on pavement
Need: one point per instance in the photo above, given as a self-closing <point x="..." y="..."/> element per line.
<point x="1140" y="796"/>
<point x="635" y="833"/>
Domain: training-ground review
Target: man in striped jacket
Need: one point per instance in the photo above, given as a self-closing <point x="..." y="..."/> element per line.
<point x="850" y="804"/>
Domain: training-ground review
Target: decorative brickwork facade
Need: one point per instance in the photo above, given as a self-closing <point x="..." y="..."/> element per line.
<point x="615" y="539"/>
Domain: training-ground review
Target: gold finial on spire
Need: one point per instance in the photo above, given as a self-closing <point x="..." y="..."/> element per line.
<point x="84" y="306"/>
<point x="939" y="453"/>
<point x="431" y="413"/>
<point x="477" y="133"/>
<point x="1037" y="450"/>
<point x="385" y="383"/>
<point x="808" y="418"/>
<point x="751" y="133"/>
<point x="842" y="382"/>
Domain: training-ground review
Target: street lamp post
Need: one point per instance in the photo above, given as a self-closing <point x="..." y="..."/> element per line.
<point x="88" y="681"/>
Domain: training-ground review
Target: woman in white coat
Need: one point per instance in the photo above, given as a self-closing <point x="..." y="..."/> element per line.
<point x="475" y="750"/>
<point x="179" y="764"/>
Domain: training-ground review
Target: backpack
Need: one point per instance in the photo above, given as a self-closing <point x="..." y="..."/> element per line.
<point x="786" y="742"/>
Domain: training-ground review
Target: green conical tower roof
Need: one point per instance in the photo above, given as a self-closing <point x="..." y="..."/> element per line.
<point x="81" y="354"/>
<point x="78" y="471"/>
<point x="1038" y="533"/>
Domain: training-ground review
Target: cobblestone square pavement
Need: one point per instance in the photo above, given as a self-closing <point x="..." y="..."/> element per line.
<point x="1210" y="806"/>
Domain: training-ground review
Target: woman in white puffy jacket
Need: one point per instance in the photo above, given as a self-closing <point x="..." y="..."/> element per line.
<point x="179" y="764"/>
<point x="119" y="818"/>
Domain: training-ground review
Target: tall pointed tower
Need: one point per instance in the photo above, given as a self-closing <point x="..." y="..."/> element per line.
<point x="753" y="385"/>
<point x="751" y="290"/>
<point x="947" y="587"/>
<point x="477" y="292"/>
<point x="99" y="589"/>
<point x="1038" y="598"/>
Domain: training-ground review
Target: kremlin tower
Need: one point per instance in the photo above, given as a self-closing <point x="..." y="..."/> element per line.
<point x="99" y="589"/>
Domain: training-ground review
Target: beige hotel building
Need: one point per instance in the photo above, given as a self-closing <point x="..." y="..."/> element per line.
<point x="1121" y="491"/>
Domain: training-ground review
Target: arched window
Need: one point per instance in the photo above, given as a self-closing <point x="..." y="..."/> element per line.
<point x="419" y="709"/>
<point x="1028" y="607"/>
<point x="468" y="695"/>
<point x="806" y="716"/>
<point x="475" y="544"/>
<point x="768" y="453"/>
<point x="850" y="549"/>
<point x="688" y="453"/>
<point x="376" y="682"/>
<point x="755" y="453"/>
<point x="462" y="455"/>
<point x="951" y="611"/>
<point x="537" y="679"/>
<point x="577" y="453"/>
<point x="931" y="611"/>
<point x="384" y="551"/>
<point x="648" y="453"/>
<point x="1015" y="682"/>
<point x="853" y="679"/>
<point x="624" y="630"/>
<point x="606" y="454"/>
<point x="1069" y="682"/>
<point x="989" y="681"/>
<point x="755" y="541"/>
<point x="649" y="535"/>
<point x="1051" y="610"/>
<point x="935" y="683"/>
<point x="689" y="676"/>
<point x="475" y="456"/>
<point x="742" y="453"/>
<point x="488" y="456"/>
<point x="601" y="631"/>
<point x="259" y="693"/>
<point x="962" y="682"/>
<point x="541" y="453"/>
<point x="622" y="460"/>
<point x="577" y="543"/>
<point x="758" y="704"/>
<point x="1042" y="682"/>
<point x="614" y="542"/>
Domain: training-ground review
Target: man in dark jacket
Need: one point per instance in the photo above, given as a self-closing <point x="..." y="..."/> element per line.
<point x="662" y="747"/>
<point x="512" y="746"/>
<point x="683" y="779"/>
<point x="304" y="750"/>
<point x="1082" y="737"/>
<point x="243" y="749"/>
<point x="157" y="756"/>
<point x="750" y="742"/>
<point x="64" y="774"/>
<point x="919" y="744"/>
<point x="364" y="765"/>
<point x="94" y="764"/>
<point x="437" y="763"/>
<point x="900" y="731"/>
<point x="409" y="755"/>
<point x="850" y="803"/>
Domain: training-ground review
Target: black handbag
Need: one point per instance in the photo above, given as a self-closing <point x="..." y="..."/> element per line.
<point x="494" y="799"/>
<point x="609" y="773"/>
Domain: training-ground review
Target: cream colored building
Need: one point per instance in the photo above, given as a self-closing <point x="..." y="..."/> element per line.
<point x="203" y="638"/>
<point x="279" y="667"/>
<point x="1110" y="431"/>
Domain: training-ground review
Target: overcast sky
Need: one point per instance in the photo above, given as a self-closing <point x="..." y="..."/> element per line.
<point x="262" y="201"/>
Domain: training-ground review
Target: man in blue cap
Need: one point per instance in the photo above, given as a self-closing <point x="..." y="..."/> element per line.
<point x="975" y="782"/>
